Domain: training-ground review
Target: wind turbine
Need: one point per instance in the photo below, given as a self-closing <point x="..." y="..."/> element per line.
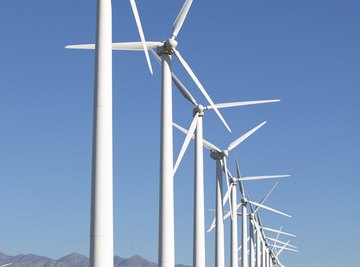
<point x="220" y="157"/>
<point x="7" y="264"/>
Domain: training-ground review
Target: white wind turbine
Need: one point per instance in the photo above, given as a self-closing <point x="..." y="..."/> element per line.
<point x="220" y="157"/>
<point x="165" y="50"/>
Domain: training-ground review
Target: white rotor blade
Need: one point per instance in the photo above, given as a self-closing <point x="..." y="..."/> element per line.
<point x="177" y="82"/>
<point x="81" y="46"/>
<point x="267" y="195"/>
<point x="129" y="46"/>
<point x="141" y="33"/>
<point x="282" y="248"/>
<point x="186" y="141"/>
<point x="137" y="46"/>
<point x="250" y="178"/>
<point x="280" y="242"/>
<point x="199" y="85"/>
<point x="243" y="137"/>
<point x="277" y="231"/>
<point x="285" y="248"/>
<point x="179" y="21"/>
<point x="277" y="238"/>
<point x="206" y="144"/>
<point x="213" y="224"/>
<point x="241" y="186"/>
<point x="229" y="186"/>
<point x="228" y="213"/>
<point x="268" y="208"/>
<point x="226" y="197"/>
<point x="211" y="228"/>
<point x="242" y="103"/>
<point x="183" y="90"/>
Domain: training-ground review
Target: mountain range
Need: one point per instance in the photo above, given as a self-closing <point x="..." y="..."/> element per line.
<point x="72" y="260"/>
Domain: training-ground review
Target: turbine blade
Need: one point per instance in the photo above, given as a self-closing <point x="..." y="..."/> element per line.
<point x="243" y="137"/>
<point x="179" y="21"/>
<point x="129" y="46"/>
<point x="228" y="186"/>
<point x="241" y="186"/>
<point x="199" y="85"/>
<point x="242" y="103"/>
<point x="141" y="33"/>
<point x="206" y="144"/>
<point x="268" y="208"/>
<point x="280" y="242"/>
<point x="277" y="231"/>
<point x="226" y="197"/>
<point x="81" y="46"/>
<point x="136" y="46"/>
<point x="251" y="206"/>
<point x="213" y="224"/>
<point x="285" y="248"/>
<point x="186" y="141"/>
<point x="227" y="215"/>
<point x="183" y="90"/>
<point x="178" y="84"/>
<point x="251" y="178"/>
<point x="237" y="167"/>
<point x="267" y="195"/>
<point x="277" y="238"/>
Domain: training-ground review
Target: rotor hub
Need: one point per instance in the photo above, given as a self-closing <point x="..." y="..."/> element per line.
<point x="168" y="46"/>
<point x="171" y="43"/>
<point x="199" y="109"/>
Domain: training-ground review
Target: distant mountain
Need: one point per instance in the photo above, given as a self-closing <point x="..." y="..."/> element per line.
<point x="72" y="260"/>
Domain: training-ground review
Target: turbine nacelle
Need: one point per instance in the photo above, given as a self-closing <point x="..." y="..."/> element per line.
<point x="219" y="154"/>
<point x="233" y="181"/>
<point x="167" y="47"/>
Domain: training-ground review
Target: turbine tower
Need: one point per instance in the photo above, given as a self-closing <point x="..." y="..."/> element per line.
<point x="101" y="218"/>
<point x="101" y="226"/>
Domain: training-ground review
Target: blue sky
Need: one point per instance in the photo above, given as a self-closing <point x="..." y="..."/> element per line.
<point x="305" y="53"/>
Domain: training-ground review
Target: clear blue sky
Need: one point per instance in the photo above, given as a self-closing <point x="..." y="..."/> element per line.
<point x="305" y="53"/>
